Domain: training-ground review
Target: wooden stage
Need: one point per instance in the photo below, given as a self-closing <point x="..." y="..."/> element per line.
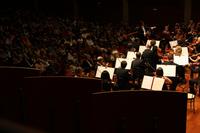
<point x="193" y="119"/>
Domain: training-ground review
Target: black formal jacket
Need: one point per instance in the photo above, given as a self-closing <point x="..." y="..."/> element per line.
<point x="138" y="68"/>
<point x="123" y="78"/>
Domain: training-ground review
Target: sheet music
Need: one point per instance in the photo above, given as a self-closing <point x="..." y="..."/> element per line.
<point x="184" y="51"/>
<point x="181" y="60"/>
<point x="157" y="43"/>
<point x="100" y="69"/>
<point x="119" y="60"/>
<point x="168" y="70"/>
<point x="173" y="43"/>
<point x="152" y="83"/>
<point x="147" y="82"/>
<point x="158" y="84"/>
<point x="142" y="48"/>
<point x="131" y="55"/>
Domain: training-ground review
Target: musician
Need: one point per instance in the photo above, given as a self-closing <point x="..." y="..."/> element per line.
<point x="159" y="74"/>
<point x="142" y="31"/>
<point x="137" y="70"/>
<point x="194" y="47"/>
<point x="194" y="77"/>
<point x="180" y="71"/>
<point x="182" y="43"/>
<point x="166" y="34"/>
<point x="178" y="50"/>
<point x="198" y="45"/>
<point x="123" y="76"/>
<point x="136" y="44"/>
<point x="156" y="54"/>
<point x="147" y="57"/>
<point x="106" y="81"/>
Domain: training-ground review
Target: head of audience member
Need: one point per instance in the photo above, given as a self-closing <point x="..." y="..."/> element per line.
<point x="100" y="60"/>
<point x="123" y="64"/>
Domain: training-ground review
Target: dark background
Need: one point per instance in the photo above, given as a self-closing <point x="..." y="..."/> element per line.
<point x="152" y="11"/>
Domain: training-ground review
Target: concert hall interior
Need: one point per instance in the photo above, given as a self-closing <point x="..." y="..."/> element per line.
<point x="99" y="66"/>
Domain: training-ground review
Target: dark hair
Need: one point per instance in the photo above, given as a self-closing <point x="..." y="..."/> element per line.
<point x="123" y="64"/>
<point x="105" y="75"/>
<point x="106" y="81"/>
<point x="159" y="71"/>
<point x="138" y="55"/>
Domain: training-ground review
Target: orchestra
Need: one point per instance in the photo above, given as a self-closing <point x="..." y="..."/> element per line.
<point x="192" y="55"/>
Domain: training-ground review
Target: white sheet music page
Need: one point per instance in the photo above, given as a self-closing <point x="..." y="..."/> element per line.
<point x="147" y="82"/>
<point x="142" y="48"/>
<point x="131" y="55"/>
<point x="168" y="70"/>
<point x="100" y="69"/>
<point x="173" y="43"/>
<point x="119" y="60"/>
<point x="184" y="51"/>
<point x="158" y="84"/>
<point x="181" y="60"/>
<point x="157" y="43"/>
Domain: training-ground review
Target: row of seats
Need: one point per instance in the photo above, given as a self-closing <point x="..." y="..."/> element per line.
<point x="76" y="105"/>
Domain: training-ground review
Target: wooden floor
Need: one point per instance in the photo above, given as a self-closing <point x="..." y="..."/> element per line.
<point x="193" y="118"/>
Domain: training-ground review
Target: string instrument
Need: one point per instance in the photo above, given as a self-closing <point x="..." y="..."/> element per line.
<point x="195" y="55"/>
<point x="159" y="52"/>
<point x="191" y="50"/>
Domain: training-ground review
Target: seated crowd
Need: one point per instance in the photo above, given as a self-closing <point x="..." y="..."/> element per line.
<point x="76" y="47"/>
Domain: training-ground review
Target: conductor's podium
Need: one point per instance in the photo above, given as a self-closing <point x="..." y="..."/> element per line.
<point x="11" y="101"/>
<point x="138" y="112"/>
<point x="58" y="104"/>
